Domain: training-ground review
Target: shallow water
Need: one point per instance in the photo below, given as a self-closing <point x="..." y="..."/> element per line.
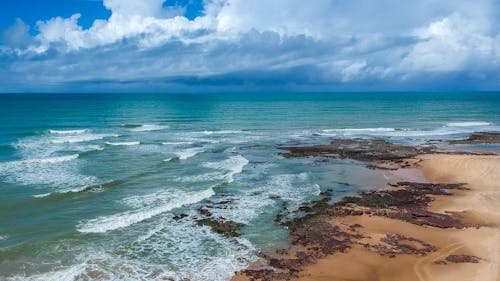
<point x="90" y="183"/>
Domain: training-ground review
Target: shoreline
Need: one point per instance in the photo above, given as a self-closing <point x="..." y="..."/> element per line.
<point x="439" y="220"/>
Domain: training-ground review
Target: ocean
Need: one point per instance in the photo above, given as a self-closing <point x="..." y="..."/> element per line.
<point x="91" y="184"/>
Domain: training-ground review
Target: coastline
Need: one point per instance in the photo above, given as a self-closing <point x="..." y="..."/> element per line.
<point x="441" y="222"/>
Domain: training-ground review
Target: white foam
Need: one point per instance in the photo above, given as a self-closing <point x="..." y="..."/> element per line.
<point x="93" y="187"/>
<point x="194" y="253"/>
<point x="61" y="171"/>
<point x="468" y="124"/>
<point x="26" y="165"/>
<point x="177" y="143"/>
<point x="222" y="132"/>
<point x="42" y="195"/>
<point x="202" y="177"/>
<point x="68" y="132"/>
<point x="162" y="250"/>
<point x="234" y="165"/>
<point x="253" y="200"/>
<point x="188" y="153"/>
<point x="123" y="143"/>
<point x="64" y="274"/>
<point x="80" y="138"/>
<point x="121" y="220"/>
<point x="149" y="127"/>
<point x="49" y="160"/>
<point x="399" y="133"/>
<point x="361" y="130"/>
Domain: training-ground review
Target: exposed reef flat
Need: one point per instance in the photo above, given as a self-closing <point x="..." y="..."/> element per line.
<point x="358" y="149"/>
<point x="443" y="228"/>
<point x="480" y="138"/>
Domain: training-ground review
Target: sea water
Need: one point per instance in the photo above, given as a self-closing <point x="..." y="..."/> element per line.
<point x="90" y="184"/>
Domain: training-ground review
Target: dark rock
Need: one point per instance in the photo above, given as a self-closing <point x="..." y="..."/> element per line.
<point x="379" y="167"/>
<point x="205" y="212"/>
<point x="462" y="259"/>
<point x="357" y="149"/>
<point x="267" y="274"/>
<point x="180" y="216"/>
<point x="222" y="226"/>
<point x="397" y="245"/>
<point x="480" y="138"/>
<point x="326" y="193"/>
<point x="224" y="202"/>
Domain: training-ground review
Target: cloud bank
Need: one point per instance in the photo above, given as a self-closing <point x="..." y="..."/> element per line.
<point x="240" y="45"/>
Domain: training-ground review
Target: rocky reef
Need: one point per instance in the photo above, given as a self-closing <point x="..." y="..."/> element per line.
<point x="316" y="233"/>
<point x="222" y="226"/>
<point x="358" y="149"/>
<point x="480" y="138"/>
<point x="321" y="228"/>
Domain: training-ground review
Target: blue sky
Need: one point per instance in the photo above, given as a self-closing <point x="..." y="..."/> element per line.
<point x="242" y="45"/>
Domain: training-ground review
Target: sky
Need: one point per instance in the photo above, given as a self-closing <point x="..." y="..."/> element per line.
<point x="249" y="45"/>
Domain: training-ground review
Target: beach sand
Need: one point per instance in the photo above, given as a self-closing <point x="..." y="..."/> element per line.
<point x="479" y="205"/>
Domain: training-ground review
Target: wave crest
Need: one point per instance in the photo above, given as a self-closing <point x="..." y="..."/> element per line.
<point x="121" y="220"/>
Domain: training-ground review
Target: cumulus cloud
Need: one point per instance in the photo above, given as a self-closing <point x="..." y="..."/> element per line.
<point x="321" y="45"/>
<point x="146" y="21"/>
<point x="17" y="36"/>
<point x="451" y="44"/>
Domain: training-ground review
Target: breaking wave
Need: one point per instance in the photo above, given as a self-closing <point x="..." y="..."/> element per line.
<point x="148" y="128"/>
<point x="121" y="220"/>
<point x="234" y="165"/>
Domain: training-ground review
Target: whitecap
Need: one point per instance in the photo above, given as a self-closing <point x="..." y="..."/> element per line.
<point x="149" y="127"/>
<point x="361" y="130"/>
<point x="234" y="165"/>
<point x="121" y="220"/>
<point x="19" y="164"/>
<point x="177" y="143"/>
<point x="95" y="187"/>
<point x="252" y="201"/>
<point x="48" y="160"/>
<point x="222" y="132"/>
<point x="68" y="132"/>
<point x="468" y="124"/>
<point x="80" y="138"/>
<point x="42" y="195"/>
<point x="392" y="132"/>
<point x="358" y="131"/>
<point x="202" y="177"/>
<point x="123" y="143"/>
<point x="188" y="153"/>
<point x="60" y="171"/>
<point x="163" y="250"/>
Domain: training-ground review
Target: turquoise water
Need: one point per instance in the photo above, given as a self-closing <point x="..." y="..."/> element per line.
<point x="90" y="183"/>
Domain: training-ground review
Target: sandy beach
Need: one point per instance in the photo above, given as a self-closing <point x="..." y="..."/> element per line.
<point x="480" y="204"/>
<point x="382" y="245"/>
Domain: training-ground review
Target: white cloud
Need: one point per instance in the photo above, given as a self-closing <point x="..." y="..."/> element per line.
<point x="144" y="8"/>
<point x="17" y="36"/>
<point x="322" y="42"/>
<point x="145" y="20"/>
<point x="451" y="44"/>
<point x="291" y="17"/>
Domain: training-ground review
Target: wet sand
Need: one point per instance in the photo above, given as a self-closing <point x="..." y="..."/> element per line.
<point x="452" y="236"/>
<point x="479" y="205"/>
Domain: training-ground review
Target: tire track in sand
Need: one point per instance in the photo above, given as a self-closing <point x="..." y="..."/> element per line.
<point x="421" y="267"/>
